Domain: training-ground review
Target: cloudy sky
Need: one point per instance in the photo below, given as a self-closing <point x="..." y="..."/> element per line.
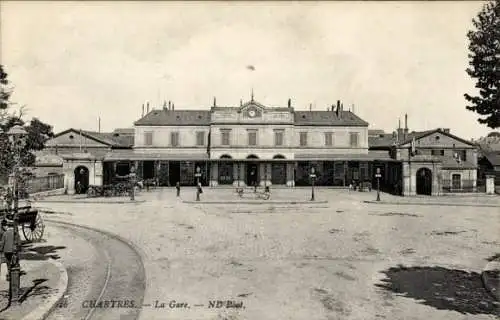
<point x="73" y="62"/>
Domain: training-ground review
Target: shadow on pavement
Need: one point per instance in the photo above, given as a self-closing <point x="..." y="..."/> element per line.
<point x="34" y="289"/>
<point x="441" y="288"/>
<point x="40" y="253"/>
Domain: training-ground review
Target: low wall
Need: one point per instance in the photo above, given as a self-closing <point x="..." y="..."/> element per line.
<point x="48" y="193"/>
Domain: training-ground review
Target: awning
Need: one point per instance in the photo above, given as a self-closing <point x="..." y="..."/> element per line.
<point x="133" y="155"/>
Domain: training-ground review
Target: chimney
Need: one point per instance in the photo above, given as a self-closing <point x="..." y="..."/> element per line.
<point x="338" y="109"/>
<point x="341" y="110"/>
<point x="310" y="106"/>
<point x="241" y="103"/>
<point x="173" y="106"/>
<point x="400" y="131"/>
<point x="169" y="105"/>
<point x="147" y="107"/>
<point x="165" y="105"/>
<point x="333" y="108"/>
<point x="289" y="103"/>
<point x="215" y="102"/>
<point x="406" y="124"/>
<point x="446" y="130"/>
<point x="143" y="109"/>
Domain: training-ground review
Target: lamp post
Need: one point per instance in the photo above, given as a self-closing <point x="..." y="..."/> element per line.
<point x="198" y="175"/>
<point x="132" y="183"/>
<point x="17" y="136"/>
<point x="378" y="175"/>
<point x="313" y="179"/>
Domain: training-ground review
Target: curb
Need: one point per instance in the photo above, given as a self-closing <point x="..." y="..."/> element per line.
<point x="434" y="204"/>
<point x="45" y="309"/>
<point x="255" y="202"/>
<point x="86" y="201"/>
<point x="140" y="253"/>
<point x="492" y="289"/>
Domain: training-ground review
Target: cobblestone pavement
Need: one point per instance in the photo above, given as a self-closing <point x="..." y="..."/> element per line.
<point x="344" y="260"/>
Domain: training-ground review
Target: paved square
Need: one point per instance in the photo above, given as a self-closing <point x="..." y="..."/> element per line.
<point x="343" y="260"/>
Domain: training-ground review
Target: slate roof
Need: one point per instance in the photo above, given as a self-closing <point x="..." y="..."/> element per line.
<point x="112" y="139"/>
<point x="389" y="140"/>
<point x="452" y="163"/>
<point x="175" y="118"/>
<point x="328" y="118"/>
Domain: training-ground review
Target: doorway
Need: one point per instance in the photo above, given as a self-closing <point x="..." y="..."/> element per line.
<point x="252" y="174"/>
<point x="81" y="179"/>
<point x="424" y="181"/>
<point x="174" y="172"/>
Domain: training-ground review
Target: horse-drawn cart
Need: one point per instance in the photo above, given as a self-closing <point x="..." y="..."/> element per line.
<point x="30" y="220"/>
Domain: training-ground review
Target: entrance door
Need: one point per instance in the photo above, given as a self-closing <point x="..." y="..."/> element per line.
<point x="174" y="172"/>
<point x="456" y="182"/>
<point x="81" y="179"/>
<point x="225" y="172"/>
<point x="252" y="174"/>
<point x="148" y="170"/>
<point x="424" y="181"/>
<point x="278" y="173"/>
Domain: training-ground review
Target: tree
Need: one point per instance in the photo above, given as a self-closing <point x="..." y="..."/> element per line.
<point x="494" y="134"/>
<point x="484" y="61"/>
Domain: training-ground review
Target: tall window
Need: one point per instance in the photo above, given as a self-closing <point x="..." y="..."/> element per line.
<point x="200" y="138"/>
<point x="174" y="139"/>
<point x="456" y="181"/>
<point x="148" y="138"/>
<point x="252" y="137"/>
<point x="278" y="137"/>
<point x="303" y="139"/>
<point x="354" y="139"/>
<point x="328" y="138"/>
<point x="462" y="154"/>
<point x="225" y="135"/>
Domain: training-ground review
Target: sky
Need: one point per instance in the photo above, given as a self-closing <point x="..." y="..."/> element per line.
<point x="73" y="62"/>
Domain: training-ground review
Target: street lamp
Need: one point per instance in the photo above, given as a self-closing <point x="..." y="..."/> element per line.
<point x="198" y="175"/>
<point x="17" y="136"/>
<point x="313" y="179"/>
<point x="378" y="175"/>
<point x="132" y="183"/>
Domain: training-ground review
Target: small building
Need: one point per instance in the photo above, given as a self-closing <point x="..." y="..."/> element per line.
<point x="431" y="162"/>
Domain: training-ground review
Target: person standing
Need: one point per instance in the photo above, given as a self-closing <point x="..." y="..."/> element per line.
<point x="8" y="245"/>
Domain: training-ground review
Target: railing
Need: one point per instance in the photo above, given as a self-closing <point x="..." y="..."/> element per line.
<point x="459" y="187"/>
<point x="39" y="184"/>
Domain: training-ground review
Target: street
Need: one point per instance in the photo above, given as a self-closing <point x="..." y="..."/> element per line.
<point x="343" y="260"/>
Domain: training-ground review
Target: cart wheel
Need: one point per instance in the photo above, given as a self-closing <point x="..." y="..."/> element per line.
<point x="266" y="196"/>
<point x="35" y="234"/>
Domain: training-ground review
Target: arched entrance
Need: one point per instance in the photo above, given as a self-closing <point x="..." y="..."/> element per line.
<point x="424" y="181"/>
<point x="81" y="179"/>
<point x="278" y="171"/>
<point x="252" y="177"/>
<point x="226" y="170"/>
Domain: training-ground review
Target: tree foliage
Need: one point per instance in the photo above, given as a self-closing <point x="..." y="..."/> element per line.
<point x="484" y="61"/>
<point x="37" y="131"/>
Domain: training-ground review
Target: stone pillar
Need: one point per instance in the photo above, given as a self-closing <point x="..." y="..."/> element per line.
<point x="409" y="180"/>
<point x="243" y="175"/>
<point x="69" y="178"/>
<point x="236" y="175"/>
<point x="290" y="179"/>
<point x="98" y="173"/>
<point x="490" y="184"/>
<point x="214" y="174"/>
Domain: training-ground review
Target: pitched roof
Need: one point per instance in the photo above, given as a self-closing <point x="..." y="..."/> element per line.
<point x="452" y="163"/>
<point x="175" y="117"/>
<point x="376" y="132"/>
<point x="328" y="118"/>
<point x="389" y="140"/>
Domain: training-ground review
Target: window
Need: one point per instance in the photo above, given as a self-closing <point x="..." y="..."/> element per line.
<point x="278" y="137"/>
<point x="436" y="152"/>
<point x="200" y="138"/>
<point x="462" y="154"/>
<point x="456" y="181"/>
<point x="174" y="139"/>
<point x="354" y="139"/>
<point x="252" y="137"/>
<point x="303" y="139"/>
<point x="225" y="139"/>
<point x="148" y="138"/>
<point x="328" y="139"/>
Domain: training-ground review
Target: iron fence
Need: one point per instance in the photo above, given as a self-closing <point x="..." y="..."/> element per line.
<point x="39" y="184"/>
<point x="460" y="186"/>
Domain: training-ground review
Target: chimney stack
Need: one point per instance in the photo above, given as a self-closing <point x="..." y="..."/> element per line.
<point x="338" y="108"/>
<point x="215" y="102"/>
<point x="169" y="104"/>
<point x="143" y="109"/>
<point x="147" y="107"/>
<point x="289" y="103"/>
<point x="164" y="105"/>
<point x="173" y="106"/>
<point x="241" y="102"/>
<point x="310" y="106"/>
<point x="405" y="132"/>
<point x="400" y="131"/>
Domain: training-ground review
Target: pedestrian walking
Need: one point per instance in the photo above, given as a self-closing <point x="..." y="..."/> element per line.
<point x="8" y="245"/>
